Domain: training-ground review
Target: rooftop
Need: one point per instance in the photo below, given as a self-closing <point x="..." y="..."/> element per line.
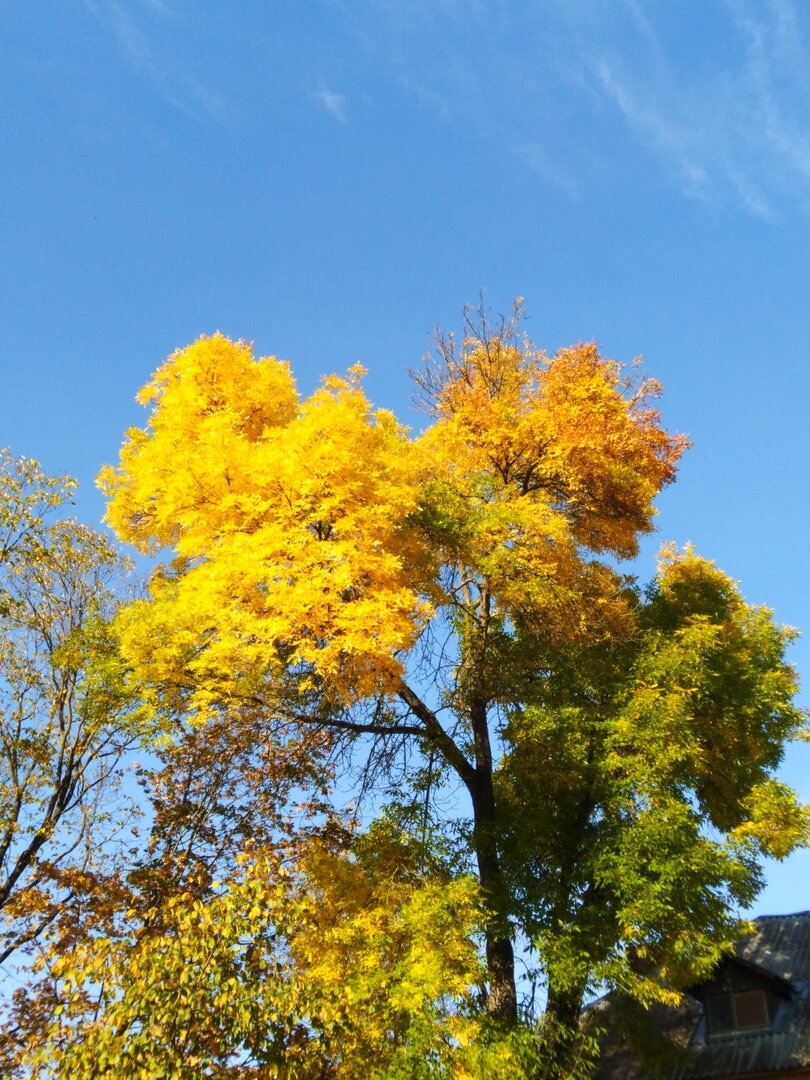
<point x="775" y="958"/>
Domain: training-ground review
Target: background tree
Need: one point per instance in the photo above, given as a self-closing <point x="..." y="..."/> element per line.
<point x="450" y="607"/>
<point x="338" y="967"/>
<point x="66" y="713"/>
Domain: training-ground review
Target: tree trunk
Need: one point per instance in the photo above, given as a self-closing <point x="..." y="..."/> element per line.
<point x="562" y="1026"/>
<point x="502" y="996"/>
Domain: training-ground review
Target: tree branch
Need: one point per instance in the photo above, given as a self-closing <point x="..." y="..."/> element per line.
<point x="436" y="733"/>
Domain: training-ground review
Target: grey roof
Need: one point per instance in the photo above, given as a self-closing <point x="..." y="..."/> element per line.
<point x="779" y="947"/>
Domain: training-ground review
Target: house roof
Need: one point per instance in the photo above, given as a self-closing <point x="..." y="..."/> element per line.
<point x="779" y="949"/>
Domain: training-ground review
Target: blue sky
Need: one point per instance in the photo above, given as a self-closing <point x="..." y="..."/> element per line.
<point x="332" y="178"/>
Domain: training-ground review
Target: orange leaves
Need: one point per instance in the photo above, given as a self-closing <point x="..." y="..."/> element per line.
<point x="611" y="455"/>
<point x="560" y="434"/>
<point x="535" y="464"/>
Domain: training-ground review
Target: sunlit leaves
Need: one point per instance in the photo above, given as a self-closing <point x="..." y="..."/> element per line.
<point x="455" y="597"/>
<point x="326" y="971"/>
<point x="287" y="519"/>
<point x="67" y="710"/>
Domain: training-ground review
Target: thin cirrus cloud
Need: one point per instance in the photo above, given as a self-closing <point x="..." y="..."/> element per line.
<point x="723" y="133"/>
<point x="335" y="104"/>
<point x="715" y="96"/>
<point x="732" y="126"/>
<point x="674" y="138"/>
<point x="168" y="76"/>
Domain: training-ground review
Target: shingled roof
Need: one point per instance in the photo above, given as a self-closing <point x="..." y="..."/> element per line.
<point x="776" y="956"/>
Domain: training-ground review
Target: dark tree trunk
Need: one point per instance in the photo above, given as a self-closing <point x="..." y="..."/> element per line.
<point x="563" y="1014"/>
<point x="502" y="996"/>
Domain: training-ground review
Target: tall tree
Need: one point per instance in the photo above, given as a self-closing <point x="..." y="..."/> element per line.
<point x="450" y="607"/>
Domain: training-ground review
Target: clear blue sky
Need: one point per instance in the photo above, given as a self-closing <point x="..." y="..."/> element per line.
<point x="332" y="178"/>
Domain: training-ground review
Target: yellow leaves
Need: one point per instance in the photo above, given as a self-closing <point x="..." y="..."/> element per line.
<point x="216" y="378"/>
<point x="383" y="954"/>
<point x="212" y="397"/>
<point x="306" y="532"/>
<point x="325" y="965"/>
<point x="776" y="821"/>
<point x="287" y="519"/>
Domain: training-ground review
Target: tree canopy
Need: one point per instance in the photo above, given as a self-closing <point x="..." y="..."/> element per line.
<point x="67" y="715"/>
<point x="541" y="752"/>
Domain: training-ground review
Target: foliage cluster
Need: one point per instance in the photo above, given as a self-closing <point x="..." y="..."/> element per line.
<point x="542" y="753"/>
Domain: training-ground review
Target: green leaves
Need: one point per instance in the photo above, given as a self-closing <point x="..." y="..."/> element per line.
<point x="649" y="771"/>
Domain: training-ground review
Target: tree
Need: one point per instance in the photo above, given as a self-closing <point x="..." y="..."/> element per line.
<point x="334" y="970"/>
<point x="66" y="714"/>
<point x="449" y="607"/>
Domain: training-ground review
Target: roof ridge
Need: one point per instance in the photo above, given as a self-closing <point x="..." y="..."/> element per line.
<point x="787" y="915"/>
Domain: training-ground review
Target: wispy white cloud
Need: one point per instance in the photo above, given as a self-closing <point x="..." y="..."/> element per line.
<point x="427" y="97"/>
<point x="160" y="7"/>
<point x="780" y="85"/>
<point x="752" y="198"/>
<point x="715" y="96"/>
<point x="664" y="133"/>
<point x="729" y="130"/>
<point x="536" y="157"/>
<point x="168" y="74"/>
<point x="336" y="105"/>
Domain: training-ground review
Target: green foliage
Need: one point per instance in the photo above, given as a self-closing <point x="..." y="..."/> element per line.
<point x="648" y="768"/>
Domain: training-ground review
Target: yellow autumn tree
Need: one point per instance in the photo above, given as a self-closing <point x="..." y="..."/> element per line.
<point x="326" y="970"/>
<point x="449" y="607"/>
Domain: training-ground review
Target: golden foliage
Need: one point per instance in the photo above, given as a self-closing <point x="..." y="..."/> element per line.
<point x="287" y="520"/>
<point x="454" y="593"/>
<point x="326" y="971"/>
<point x="312" y="535"/>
